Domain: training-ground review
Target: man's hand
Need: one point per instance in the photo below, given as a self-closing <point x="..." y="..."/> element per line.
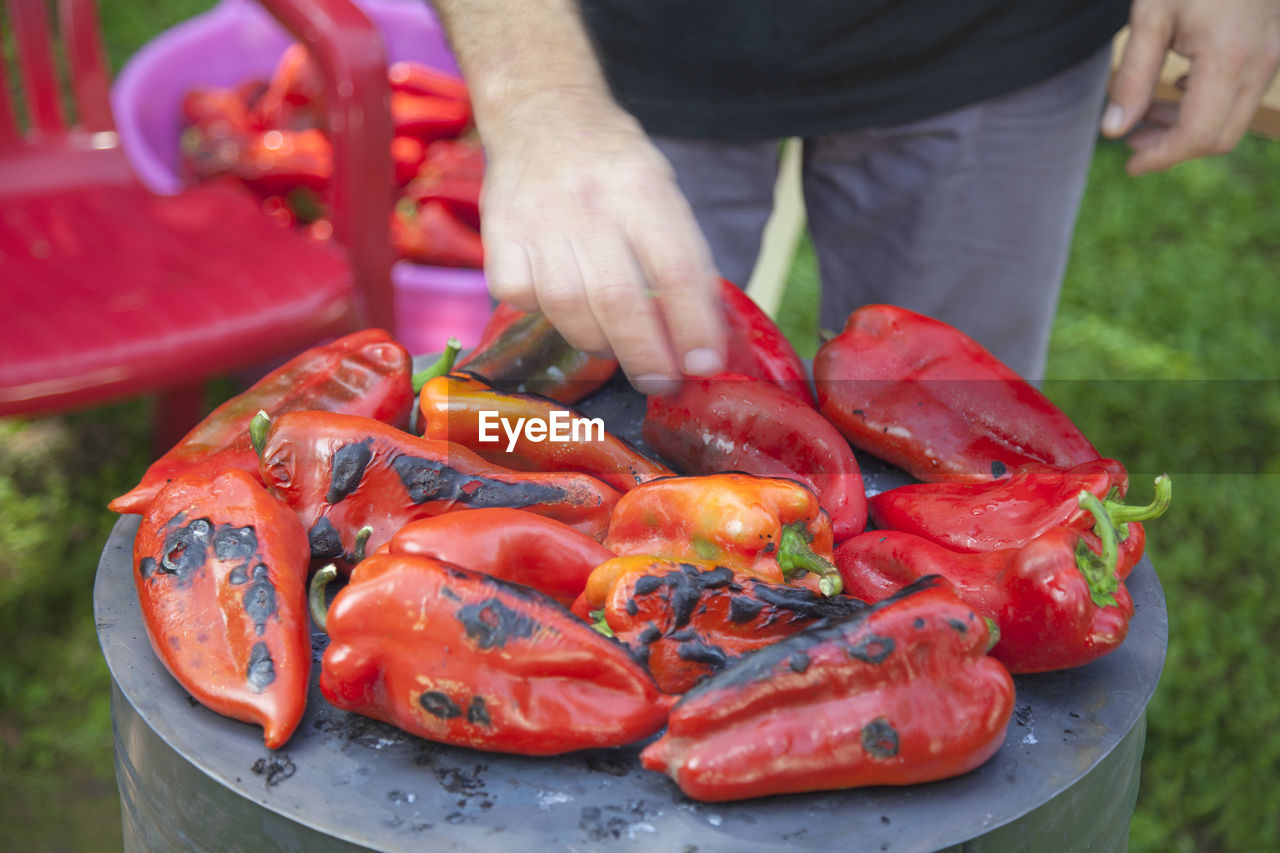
<point x="1234" y="48"/>
<point x="580" y="214"/>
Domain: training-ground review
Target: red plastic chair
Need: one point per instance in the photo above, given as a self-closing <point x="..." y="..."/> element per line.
<point x="109" y="291"/>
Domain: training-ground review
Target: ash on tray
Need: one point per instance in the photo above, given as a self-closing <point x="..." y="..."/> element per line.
<point x="276" y="768"/>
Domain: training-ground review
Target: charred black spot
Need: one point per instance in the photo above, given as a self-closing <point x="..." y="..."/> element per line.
<point x="447" y="592"/>
<point x="439" y="705"/>
<point x="798" y="662"/>
<point x="683" y="636"/>
<point x="769" y="548"/>
<point x="478" y="712"/>
<point x="186" y="549"/>
<point x="262" y="670"/>
<point x="803" y="603"/>
<point x="872" y="648"/>
<point x="260" y="599"/>
<point x="631" y="607"/>
<point x="491" y="624"/>
<point x="326" y="543"/>
<point x="998" y="469"/>
<point x="651" y="634"/>
<point x="647" y="585"/>
<point x="743" y="608"/>
<point x="234" y="544"/>
<point x="348" y="469"/>
<point x="147" y="567"/>
<point x="239" y="575"/>
<point x="958" y="625"/>
<point x="431" y="480"/>
<point x="715" y="578"/>
<point x="699" y="651"/>
<point x="918" y="622"/>
<point x="880" y="739"/>
<point x="685" y="594"/>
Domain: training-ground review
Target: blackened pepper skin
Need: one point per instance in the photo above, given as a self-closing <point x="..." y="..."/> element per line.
<point x="892" y="695"/>
<point x="464" y="658"/>
<point x="221" y="571"/>
<point x="343" y="473"/>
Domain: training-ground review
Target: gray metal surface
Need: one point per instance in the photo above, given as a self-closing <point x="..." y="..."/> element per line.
<point x="1065" y="778"/>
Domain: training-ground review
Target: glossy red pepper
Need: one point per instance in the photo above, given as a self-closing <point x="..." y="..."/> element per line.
<point x="768" y="527"/>
<point x="465" y="409"/>
<point x="757" y="346"/>
<point x="407" y="155"/>
<point x="221" y="571"/>
<point x="459" y="158"/>
<point x="428" y="117"/>
<point x="1009" y="513"/>
<point x="896" y="694"/>
<point x="458" y="193"/>
<point x="431" y="234"/>
<point x="343" y="473"/>
<point x="221" y="113"/>
<point x="731" y="422"/>
<point x="686" y="621"/>
<point x="276" y="161"/>
<point x="459" y="657"/>
<point x="927" y="398"/>
<point x="417" y="79"/>
<point x="523" y="352"/>
<point x="1058" y="604"/>
<point x="511" y="544"/>
<point x="294" y="97"/>
<point x="364" y="373"/>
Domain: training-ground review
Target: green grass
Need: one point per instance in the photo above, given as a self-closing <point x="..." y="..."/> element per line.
<point x="1161" y="352"/>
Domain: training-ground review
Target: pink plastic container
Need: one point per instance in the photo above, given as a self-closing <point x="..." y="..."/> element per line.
<point x="238" y="40"/>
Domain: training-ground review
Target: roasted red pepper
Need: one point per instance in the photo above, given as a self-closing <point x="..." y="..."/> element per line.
<point x="221" y="571"/>
<point x="365" y="373"/>
<point x="276" y="161"/>
<point x="221" y="113"/>
<point x="511" y="544"/>
<point x="896" y="694"/>
<point x="524" y="352"/>
<point x="467" y="410"/>
<point x="1009" y="513"/>
<point x="343" y="473"/>
<point x="1057" y="603"/>
<point x="732" y="422"/>
<point x="294" y="97"/>
<point x="924" y="396"/>
<point x="687" y="621"/>
<point x="461" y="195"/>
<point x="459" y="657"/>
<point x="407" y="154"/>
<point x="757" y="346"/>
<point x="767" y="527"/>
<point x="429" y="233"/>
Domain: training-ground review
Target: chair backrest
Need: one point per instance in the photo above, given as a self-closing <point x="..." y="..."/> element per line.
<point x="87" y="70"/>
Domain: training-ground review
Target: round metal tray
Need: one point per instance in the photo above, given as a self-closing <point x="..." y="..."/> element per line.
<point x="1066" y="777"/>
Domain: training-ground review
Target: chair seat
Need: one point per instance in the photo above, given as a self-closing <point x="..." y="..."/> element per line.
<point x="111" y="291"/>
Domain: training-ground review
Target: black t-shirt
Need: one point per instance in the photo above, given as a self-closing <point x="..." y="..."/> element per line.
<point x="763" y="69"/>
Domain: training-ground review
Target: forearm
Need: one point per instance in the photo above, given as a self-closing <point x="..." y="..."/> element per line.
<point x="529" y="64"/>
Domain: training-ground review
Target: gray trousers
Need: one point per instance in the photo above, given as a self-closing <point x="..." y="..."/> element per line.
<point x="966" y="216"/>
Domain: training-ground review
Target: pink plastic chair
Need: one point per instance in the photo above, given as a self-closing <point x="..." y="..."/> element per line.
<point x="110" y="291"/>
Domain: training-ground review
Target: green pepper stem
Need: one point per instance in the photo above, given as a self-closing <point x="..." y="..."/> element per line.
<point x="1121" y="513"/>
<point x="362" y="543"/>
<point x="258" y="427"/>
<point x="315" y="595"/>
<point x="600" y="623"/>
<point x="993" y="632"/>
<point x="796" y="556"/>
<point x="440" y="366"/>
<point x="1099" y="569"/>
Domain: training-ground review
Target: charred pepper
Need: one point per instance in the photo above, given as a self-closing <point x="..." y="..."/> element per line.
<point x="686" y="621"/>
<point x="343" y="473"/>
<point x="457" y="408"/>
<point x="519" y="351"/>
<point x="459" y="657"/>
<point x="221" y="572"/>
<point x="732" y="422"/>
<point x="511" y="544"/>
<point x="929" y="399"/>
<point x="896" y="694"/>
<point x="768" y="527"/>
<point x="1057" y="602"/>
<point x="365" y="373"/>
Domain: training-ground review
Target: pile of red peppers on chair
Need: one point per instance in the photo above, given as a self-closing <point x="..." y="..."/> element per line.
<point x="268" y="135"/>
<point x="738" y="610"/>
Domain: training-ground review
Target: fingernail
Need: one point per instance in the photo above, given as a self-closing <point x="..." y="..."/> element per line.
<point x="702" y="362"/>
<point x="1113" y="119"/>
<point x="654" y="383"/>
